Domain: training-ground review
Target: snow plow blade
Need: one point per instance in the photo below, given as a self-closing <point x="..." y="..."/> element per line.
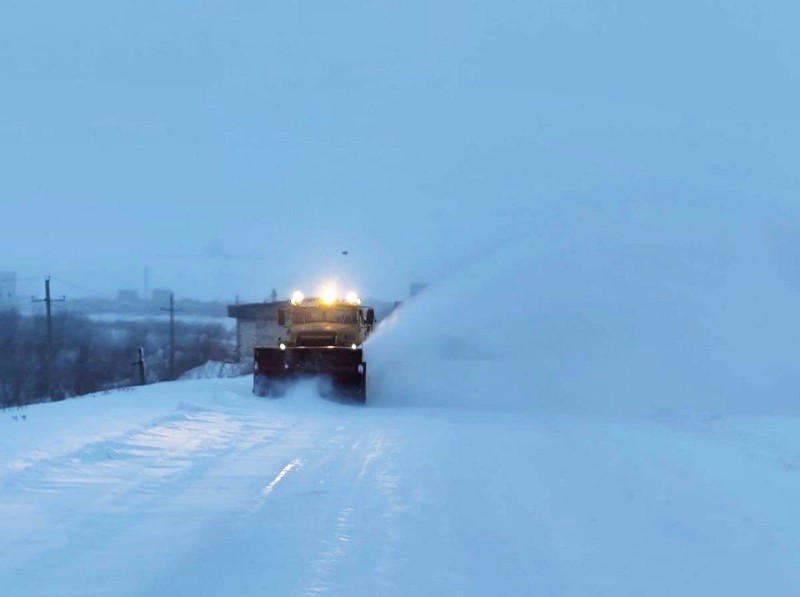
<point x="344" y="367"/>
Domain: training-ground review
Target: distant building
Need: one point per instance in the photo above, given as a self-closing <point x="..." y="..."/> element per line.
<point x="128" y="295"/>
<point x="161" y="295"/>
<point x="257" y="325"/>
<point x="8" y="290"/>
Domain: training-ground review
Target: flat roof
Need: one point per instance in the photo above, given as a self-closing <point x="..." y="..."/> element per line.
<point x="257" y="310"/>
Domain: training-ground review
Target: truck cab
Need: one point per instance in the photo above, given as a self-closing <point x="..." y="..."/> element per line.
<point x="313" y="322"/>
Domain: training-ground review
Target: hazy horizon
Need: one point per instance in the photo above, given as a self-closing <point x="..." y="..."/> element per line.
<point x="231" y="150"/>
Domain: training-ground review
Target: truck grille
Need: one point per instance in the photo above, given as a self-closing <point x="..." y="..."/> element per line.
<point x="316" y="340"/>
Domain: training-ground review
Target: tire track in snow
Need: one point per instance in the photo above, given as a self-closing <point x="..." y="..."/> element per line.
<point x="360" y="524"/>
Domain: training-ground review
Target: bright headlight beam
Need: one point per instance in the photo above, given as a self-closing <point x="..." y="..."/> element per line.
<point x="297" y="297"/>
<point x="329" y="295"/>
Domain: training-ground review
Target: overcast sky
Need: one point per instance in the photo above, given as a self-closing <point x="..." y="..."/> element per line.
<point x="236" y="147"/>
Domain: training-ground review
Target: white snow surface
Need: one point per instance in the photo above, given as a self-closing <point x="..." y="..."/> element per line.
<point x="200" y="488"/>
<point x="604" y="407"/>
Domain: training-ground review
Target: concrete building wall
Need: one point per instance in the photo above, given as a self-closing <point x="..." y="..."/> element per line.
<point x="253" y="332"/>
<point x="257" y="325"/>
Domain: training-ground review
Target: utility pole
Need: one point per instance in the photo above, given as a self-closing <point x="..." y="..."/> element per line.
<point x="140" y="366"/>
<point x="171" y="310"/>
<point x="50" y="350"/>
<point x="238" y="335"/>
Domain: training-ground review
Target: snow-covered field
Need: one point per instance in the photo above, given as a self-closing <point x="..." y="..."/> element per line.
<point x="225" y="322"/>
<point x="199" y="488"/>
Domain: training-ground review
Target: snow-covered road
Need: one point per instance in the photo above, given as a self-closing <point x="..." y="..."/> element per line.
<point x="200" y="488"/>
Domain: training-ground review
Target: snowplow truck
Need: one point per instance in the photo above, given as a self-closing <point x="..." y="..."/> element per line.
<point x="323" y="340"/>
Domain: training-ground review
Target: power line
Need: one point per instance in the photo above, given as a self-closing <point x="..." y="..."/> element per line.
<point x="92" y="291"/>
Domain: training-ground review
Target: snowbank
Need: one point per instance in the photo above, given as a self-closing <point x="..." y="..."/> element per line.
<point x="218" y="369"/>
<point x="632" y="308"/>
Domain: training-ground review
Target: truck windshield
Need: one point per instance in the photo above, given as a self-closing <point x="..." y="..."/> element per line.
<point x="332" y="315"/>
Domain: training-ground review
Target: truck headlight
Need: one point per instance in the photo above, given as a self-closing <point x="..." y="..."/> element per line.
<point x="329" y="295"/>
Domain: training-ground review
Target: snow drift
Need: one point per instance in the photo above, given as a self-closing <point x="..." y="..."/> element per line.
<point x="638" y="307"/>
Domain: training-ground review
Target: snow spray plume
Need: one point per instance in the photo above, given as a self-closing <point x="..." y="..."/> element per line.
<point x="632" y="307"/>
